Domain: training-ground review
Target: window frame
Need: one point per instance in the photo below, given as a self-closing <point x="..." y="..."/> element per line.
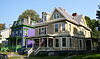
<point x="62" y="26"/>
<point x="56" y="16"/>
<point x="56" y="43"/>
<point x="40" y="31"/>
<point x="70" y="42"/>
<point x="64" y="42"/>
<point x="55" y="27"/>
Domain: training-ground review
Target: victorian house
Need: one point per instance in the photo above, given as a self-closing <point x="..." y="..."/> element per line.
<point x="61" y="31"/>
<point x="20" y="29"/>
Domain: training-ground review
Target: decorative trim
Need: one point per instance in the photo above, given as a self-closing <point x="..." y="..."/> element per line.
<point x="22" y="26"/>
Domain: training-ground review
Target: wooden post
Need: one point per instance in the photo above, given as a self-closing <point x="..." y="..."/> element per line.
<point x="16" y="44"/>
<point x="60" y="43"/>
<point x="47" y="42"/>
<point x="39" y="42"/>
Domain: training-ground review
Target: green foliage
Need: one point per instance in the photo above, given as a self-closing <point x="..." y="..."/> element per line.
<point x="34" y="16"/>
<point x="98" y="13"/>
<point x="86" y="56"/>
<point x="93" y="23"/>
<point x="2" y="26"/>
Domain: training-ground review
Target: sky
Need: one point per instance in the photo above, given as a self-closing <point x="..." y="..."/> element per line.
<point x="11" y="9"/>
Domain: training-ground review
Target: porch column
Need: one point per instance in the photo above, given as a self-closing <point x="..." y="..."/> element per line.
<point x="47" y="42"/>
<point x="68" y="42"/>
<point x="53" y="42"/>
<point x="39" y="42"/>
<point x="91" y="45"/>
<point x="11" y="43"/>
<point x="16" y="44"/>
<point x="26" y="43"/>
<point x="60" y="43"/>
<point x="79" y="43"/>
<point x="32" y="43"/>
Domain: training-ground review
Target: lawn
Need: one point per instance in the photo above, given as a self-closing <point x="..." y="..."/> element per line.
<point x="15" y="58"/>
<point x="86" y="56"/>
<point x="47" y="57"/>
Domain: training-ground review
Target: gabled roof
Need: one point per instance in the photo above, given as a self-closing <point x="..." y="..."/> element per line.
<point x="76" y="19"/>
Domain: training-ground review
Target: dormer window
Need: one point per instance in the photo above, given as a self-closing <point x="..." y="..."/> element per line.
<point x="55" y="16"/>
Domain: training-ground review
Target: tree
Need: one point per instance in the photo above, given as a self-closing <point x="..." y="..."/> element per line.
<point x="88" y="20"/>
<point x="2" y="26"/>
<point x="98" y="13"/>
<point x="33" y="15"/>
<point x="93" y="23"/>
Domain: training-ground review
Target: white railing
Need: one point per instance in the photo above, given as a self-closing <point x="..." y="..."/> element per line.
<point x="37" y="50"/>
<point x="30" y="51"/>
<point x="42" y="49"/>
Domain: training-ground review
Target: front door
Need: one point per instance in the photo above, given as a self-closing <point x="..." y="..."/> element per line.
<point x="88" y="45"/>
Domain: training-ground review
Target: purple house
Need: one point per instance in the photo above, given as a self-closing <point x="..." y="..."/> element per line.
<point x="19" y="31"/>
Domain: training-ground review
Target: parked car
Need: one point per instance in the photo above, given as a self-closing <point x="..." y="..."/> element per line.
<point x="22" y="51"/>
<point x="3" y="56"/>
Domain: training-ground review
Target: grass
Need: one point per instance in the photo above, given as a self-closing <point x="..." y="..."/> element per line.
<point x="8" y="53"/>
<point x="47" y="57"/>
<point x="86" y="56"/>
<point x="16" y="58"/>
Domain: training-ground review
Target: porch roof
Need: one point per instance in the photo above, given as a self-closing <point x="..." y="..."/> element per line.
<point x="14" y="37"/>
<point x="56" y="35"/>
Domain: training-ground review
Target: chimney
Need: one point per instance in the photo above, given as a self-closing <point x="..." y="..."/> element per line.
<point x="74" y="14"/>
<point x="10" y="25"/>
<point x="29" y="19"/>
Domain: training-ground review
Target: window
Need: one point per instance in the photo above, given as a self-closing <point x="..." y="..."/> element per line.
<point x="75" y="31"/>
<point x="56" y="27"/>
<point x="20" y="32"/>
<point x="55" y="16"/>
<point x="69" y="27"/>
<point x="16" y="33"/>
<point x="57" y="43"/>
<point x="26" y="31"/>
<point x="80" y="43"/>
<point x="39" y="31"/>
<point x="42" y="30"/>
<point x="32" y="23"/>
<point x="70" y="42"/>
<point x="45" y="18"/>
<point x="64" y="42"/>
<point x="63" y="26"/>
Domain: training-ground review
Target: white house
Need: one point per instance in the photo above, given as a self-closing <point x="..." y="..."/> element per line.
<point x="3" y="35"/>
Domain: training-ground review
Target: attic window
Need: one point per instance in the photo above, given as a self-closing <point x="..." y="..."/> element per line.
<point x="55" y="16"/>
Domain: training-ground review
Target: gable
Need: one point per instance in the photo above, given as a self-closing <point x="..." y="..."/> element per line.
<point x="84" y="21"/>
<point x="56" y="12"/>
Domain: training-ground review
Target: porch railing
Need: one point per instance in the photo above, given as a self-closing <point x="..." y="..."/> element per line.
<point x="43" y="49"/>
<point x="30" y="51"/>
